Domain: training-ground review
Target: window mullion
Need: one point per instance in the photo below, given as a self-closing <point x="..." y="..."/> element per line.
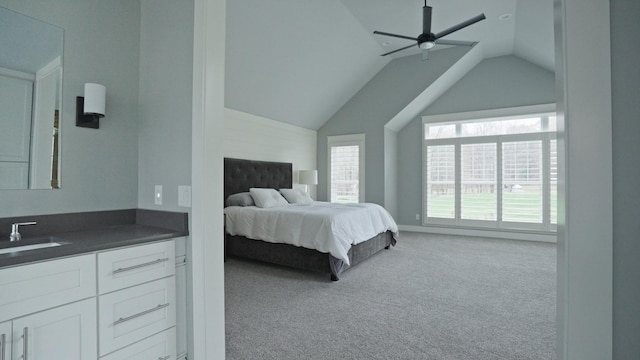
<point x="458" y="181"/>
<point x="499" y="182"/>
<point x="546" y="182"/>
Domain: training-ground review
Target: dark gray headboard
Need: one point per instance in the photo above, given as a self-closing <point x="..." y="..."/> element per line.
<point x="240" y="175"/>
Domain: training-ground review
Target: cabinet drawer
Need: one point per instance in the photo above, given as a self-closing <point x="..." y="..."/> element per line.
<point x="126" y="267"/>
<point x="132" y="314"/>
<point x="159" y="346"/>
<point x="29" y="288"/>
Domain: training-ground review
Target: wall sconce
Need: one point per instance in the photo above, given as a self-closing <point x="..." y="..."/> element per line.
<point x="90" y="108"/>
<point x="308" y="177"/>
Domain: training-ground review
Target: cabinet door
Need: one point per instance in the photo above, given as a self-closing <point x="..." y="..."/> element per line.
<point x="5" y="340"/>
<point x="68" y="332"/>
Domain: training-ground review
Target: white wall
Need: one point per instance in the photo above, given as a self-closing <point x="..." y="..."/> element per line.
<point x="164" y="125"/>
<point x="248" y="136"/>
<point x="98" y="167"/>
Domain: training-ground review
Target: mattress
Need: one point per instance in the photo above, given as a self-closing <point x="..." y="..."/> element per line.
<point x="326" y="227"/>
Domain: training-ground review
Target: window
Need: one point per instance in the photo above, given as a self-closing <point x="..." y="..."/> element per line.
<point x="346" y="168"/>
<point x="441" y="181"/>
<point x="491" y="172"/>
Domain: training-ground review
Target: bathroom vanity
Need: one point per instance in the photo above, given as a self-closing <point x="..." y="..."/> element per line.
<point x="107" y="291"/>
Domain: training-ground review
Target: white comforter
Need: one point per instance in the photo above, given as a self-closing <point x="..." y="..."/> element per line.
<point x="326" y="227"/>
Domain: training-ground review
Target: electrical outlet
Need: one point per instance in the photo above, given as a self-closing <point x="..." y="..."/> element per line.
<point x="184" y="195"/>
<point x="157" y="198"/>
<point x="417" y="216"/>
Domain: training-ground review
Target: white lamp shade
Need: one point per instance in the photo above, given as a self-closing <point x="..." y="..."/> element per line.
<point x="308" y="177"/>
<point x="94" y="98"/>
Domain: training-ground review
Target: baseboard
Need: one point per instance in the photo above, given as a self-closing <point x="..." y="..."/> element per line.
<point x="512" y="235"/>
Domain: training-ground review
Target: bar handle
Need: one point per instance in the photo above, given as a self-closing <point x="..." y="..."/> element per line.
<point x="125" y="319"/>
<point x="129" y="268"/>
<point x="25" y="343"/>
<point x="162" y="357"/>
<point x="3" y="346"/>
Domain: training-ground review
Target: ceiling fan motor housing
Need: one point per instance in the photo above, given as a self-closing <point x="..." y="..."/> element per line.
<point x="423" y="38"/>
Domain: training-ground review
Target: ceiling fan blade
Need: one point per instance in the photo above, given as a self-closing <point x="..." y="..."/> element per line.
<point x="395" y="35"/>
<point x="456" y="42"/>
<point x="395" y="51"/>
<point x="460" y="26"/>
<point x="426" y="19"/>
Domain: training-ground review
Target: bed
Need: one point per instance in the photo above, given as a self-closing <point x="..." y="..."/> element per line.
<point x="241" y="175"/>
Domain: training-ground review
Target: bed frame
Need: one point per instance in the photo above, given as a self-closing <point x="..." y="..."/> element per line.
<point x="241" y="175"/>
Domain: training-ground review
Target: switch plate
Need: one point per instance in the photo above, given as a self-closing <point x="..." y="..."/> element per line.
<point x="157" y="197"/>
<point x="417" y="216"/>
<point x="184" y="195"/>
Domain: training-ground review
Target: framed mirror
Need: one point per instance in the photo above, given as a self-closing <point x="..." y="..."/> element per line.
<point x="30" y="102"/>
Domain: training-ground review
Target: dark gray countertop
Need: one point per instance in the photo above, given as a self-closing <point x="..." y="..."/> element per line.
<point x="88" y="241"/>
<point x="92" y="231"/>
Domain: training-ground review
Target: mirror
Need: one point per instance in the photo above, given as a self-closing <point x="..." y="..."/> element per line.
<point x="30" y="102"/>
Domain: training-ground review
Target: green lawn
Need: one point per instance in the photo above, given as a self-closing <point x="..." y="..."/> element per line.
<point x="517" y="206"/>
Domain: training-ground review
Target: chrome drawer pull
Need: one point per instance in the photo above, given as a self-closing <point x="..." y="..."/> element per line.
<point x="25" y="345"/>
<point x="165" y="357"/>
<point x="2" y="346"/>
<point x="125" y="319"/>
<point x="119" y="270"/>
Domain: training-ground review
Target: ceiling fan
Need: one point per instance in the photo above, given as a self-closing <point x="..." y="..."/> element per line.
<point x="427" y="39"/>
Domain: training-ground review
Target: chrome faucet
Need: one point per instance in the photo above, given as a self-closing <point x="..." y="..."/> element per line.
<point x="15" y="234"/>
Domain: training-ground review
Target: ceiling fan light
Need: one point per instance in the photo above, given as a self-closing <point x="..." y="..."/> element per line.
<point x="427" y="45"/>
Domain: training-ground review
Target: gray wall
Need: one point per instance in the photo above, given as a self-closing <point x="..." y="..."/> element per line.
<point x="500" y="82"/>
<point x="98" y="167"/>
<point x="166" y="68"/>
<point x="392" y="89"/>
<point x="625" y="78"/>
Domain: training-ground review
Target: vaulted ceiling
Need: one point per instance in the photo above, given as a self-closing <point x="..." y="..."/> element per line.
<point x="299" y="61"/>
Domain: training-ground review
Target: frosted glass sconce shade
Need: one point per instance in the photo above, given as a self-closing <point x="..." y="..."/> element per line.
<point x="91" y="107"/>
<point x="94" y="99"/>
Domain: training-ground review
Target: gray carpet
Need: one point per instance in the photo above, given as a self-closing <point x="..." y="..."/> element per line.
<point x="430" y="297"/>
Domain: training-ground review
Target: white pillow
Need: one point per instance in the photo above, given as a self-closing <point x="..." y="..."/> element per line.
<point x="296" y="196"/>
<point x="266" y="198"/>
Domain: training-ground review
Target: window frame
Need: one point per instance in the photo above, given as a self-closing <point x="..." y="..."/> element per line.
<point x="544" y="135"/>
<point x="348" y="140"/>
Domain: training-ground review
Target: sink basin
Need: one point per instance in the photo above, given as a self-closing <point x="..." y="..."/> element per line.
<point x="7" y="247"/>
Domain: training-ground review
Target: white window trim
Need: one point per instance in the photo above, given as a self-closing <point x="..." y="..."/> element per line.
<point x="347" y="140"/>
<point x="488" y="115"/>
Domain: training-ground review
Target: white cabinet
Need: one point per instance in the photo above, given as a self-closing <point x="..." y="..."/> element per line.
<point x="181" y="297"/>
<point x="5" y="340"/>
<point x="133" y="314"/>
<point x="66" y="332"/>
<point x="117" y="304"/>
<point x="34" y="287"/>
<point x="160" y="346"/>
<point x="137" y="296"/>
<point x="118" y="269"/>
<point x="46" y="317"/>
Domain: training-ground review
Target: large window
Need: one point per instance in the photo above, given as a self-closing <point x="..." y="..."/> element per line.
<point x="346" y="168"/>
<point x="491" y="172"/>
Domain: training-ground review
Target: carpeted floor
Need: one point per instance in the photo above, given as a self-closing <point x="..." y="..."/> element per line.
<point x="430" y="297"/>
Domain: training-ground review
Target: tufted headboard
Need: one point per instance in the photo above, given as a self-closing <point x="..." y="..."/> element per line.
<point x="240" y="175"/>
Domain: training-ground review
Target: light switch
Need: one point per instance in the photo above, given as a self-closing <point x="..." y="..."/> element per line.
<point x="157" y="198"/>
<point x="184" y="195"/>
